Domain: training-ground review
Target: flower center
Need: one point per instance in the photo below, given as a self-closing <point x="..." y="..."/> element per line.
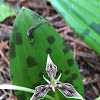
<point x="53" y="83"/>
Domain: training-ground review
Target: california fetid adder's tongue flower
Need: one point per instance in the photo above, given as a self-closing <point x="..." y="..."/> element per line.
<point x="65" y="88"/>
<point x="40" y="91"/>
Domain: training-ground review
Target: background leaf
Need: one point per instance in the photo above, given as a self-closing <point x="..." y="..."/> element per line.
<point x="28" y="61"/>
<point x="97" y="98"/>
<point x="83" y="16"/>
<point x="5" y="12"/>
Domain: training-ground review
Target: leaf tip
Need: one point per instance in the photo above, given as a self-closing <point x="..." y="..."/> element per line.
<point x="23" y="8"/>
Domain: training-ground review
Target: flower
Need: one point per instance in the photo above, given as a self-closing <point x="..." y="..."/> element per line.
<point x="65" y="88"/>
<point x="41" y="91"/>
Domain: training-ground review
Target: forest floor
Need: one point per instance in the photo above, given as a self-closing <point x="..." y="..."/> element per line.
<point x="88" y="61"/>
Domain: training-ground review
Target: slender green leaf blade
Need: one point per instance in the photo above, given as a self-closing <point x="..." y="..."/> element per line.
<point x="83" y="17"/>
<point x="28" y="61"/>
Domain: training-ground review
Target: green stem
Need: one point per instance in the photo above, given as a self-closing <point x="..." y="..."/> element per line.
<point x="56" y="95"/>
<point x="14" y="87"/>
<point x="20" y="88"/>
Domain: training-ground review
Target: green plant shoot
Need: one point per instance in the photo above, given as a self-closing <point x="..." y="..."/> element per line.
<point x="28" y="60"/>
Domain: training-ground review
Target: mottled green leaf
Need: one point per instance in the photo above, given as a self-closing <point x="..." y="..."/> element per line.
<point x="28" y="61"/>
<point x="83" y="16"/>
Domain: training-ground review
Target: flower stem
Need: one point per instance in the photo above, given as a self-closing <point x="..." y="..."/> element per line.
<point x="14" y="87"/>
<point x="20" y="88"/>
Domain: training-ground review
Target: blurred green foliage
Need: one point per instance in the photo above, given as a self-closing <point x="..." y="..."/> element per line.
<point x="6" y="10"/>
<point x="97" y="98"/>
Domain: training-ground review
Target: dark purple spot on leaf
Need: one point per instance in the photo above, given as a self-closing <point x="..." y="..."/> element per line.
<point x="13" y="37"/>
<point x="67" y="71"/>
<point x="76" y="87"/>
<point x="51" y="39"/>
<point x="69" y="80"/>
<point x="95" y="27"/>
<point x="74" y="76"/>
<point x="84" y="33"/>
<point x="18" y="39"/>
<point x="48" y="50"/>
<point x="65" y="50"/>
<point x="31" y="61"/>
<point x="49" y="25"/>
<point x="12" y="50"/>
<point x="15" y="28"/>
<point x="70" y="62"/>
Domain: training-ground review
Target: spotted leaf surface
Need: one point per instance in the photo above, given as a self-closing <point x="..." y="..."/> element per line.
<point x="83" y="16"/>
<point x="28" y="60"/>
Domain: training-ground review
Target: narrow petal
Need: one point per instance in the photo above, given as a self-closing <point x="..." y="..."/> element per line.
<point x="53" y="88"/>
<point x="40" y="92"/>
<point x="14" y="87"/>
<point x="51" y="68"/>
<point x="46" y="79"/>
<point x="68" y="91"/>
<point x="59" y="75"/>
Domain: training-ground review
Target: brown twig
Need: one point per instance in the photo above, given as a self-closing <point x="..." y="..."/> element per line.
<point x="66" y="37"/>
<point x="87" y="55"/>
<point x="62" y="29"/>
<point x="6" y="60"/>
<point x="3" y="25"/>
<point x="4" y="45"/>
<point x="75" y="47"/>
